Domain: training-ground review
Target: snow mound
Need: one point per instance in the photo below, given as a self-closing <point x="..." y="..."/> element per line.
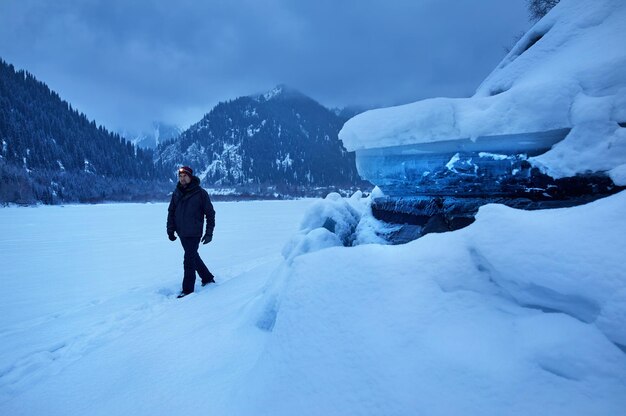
<point x="520" y="313"/>
<point x="336" y="221"/>
<point x="565" y="260"/>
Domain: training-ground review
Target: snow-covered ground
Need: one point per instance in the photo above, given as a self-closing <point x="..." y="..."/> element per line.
<point x="520" y="313"/>
<point x="89" y="320"/>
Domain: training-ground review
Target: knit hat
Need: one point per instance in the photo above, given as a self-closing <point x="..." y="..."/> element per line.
<point x="186" y="170"/>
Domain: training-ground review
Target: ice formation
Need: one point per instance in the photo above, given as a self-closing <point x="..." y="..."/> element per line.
<point x="566" y="75"/>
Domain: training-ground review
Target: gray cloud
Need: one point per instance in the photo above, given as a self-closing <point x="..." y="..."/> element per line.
<point x="127" y="63"/>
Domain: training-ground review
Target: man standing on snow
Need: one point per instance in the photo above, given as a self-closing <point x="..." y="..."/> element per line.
<point x="185" y="216"/>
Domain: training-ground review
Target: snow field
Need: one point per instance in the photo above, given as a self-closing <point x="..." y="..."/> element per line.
<point x="520" y="313"/>
<point x="89" y="314"/>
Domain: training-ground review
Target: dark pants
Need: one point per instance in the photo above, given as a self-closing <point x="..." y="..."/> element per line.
<point x="192" y="263"/>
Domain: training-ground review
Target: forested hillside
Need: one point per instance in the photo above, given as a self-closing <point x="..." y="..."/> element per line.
<point x="52" y="153"/>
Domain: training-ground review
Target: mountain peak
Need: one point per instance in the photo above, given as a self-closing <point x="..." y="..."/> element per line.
<point x="281" y="91"/>
<point x="280" y="138"/>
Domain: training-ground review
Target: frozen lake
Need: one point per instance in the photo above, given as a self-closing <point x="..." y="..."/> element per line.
<point x="519" y="313"/>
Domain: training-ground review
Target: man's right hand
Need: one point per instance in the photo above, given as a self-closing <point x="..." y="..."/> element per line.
<point x="171" y="236"/>
<point x="207" y="238"/>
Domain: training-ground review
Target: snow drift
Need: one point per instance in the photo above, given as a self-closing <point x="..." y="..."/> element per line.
<point x="520" y="313"/>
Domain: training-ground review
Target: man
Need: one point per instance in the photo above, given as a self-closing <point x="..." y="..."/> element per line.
<point x="185" y="216"/>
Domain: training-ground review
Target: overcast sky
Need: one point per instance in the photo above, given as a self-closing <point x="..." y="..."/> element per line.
<point x="126" y="63"/>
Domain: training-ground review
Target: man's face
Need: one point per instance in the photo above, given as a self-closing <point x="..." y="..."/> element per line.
<point x="184" y="179"/>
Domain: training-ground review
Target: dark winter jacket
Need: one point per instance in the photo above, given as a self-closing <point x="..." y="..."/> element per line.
<point x="187" y="209"/>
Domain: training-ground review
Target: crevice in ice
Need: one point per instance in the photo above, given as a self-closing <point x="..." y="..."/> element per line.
<point x="530" y="295"/>
<point x="481" y="263"/>
<point x="536" y="37"/>
<point x="497" y="91"/>
<point x="527" y="42"/>
<point x="559" y="372"/>
<point x="547" y="299"/>
<point x="486" y="269"/>
<point x="454" y="118"/>
<point x="267" y="320"/>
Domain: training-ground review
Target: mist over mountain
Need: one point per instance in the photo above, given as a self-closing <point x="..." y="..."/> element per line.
<point x="150" y="138"/>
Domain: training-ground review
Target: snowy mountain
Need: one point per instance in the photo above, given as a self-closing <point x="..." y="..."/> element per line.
<point x="159" y="133"/>
<point x="545" y="128"/>
<point x="281" y="138"/>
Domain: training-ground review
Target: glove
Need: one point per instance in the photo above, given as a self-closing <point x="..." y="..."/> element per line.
<point x="171" y="236"/>
<point x="207" y="238"/>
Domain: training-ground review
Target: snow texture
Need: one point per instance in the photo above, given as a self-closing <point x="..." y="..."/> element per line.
<point x="523" y="312"/>
<point x="520" y="313"/>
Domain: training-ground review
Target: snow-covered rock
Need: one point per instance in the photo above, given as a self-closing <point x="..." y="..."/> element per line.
<point x="545" y="129"/>
<point x="567" y="72"/>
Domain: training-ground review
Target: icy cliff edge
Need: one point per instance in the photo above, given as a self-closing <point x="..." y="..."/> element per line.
<point x="567" y="71"/>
